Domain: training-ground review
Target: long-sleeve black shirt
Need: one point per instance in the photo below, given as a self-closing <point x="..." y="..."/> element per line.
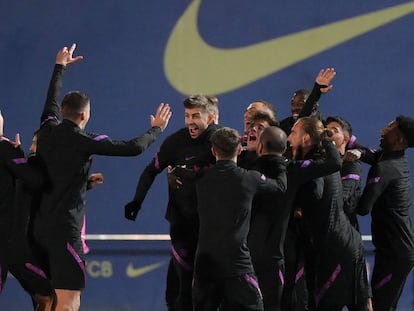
<point x="332" y="244"/>
<point x="66" y="151"/>
<point x="351" y="189"/>
<point x="321" y="202"/>
<point x="270" y="214"/>
<point x="387" y="195"/>
<point x="179" y="149"/>
<point x="13" y="168"/>
<point x="225" y="193"/>
<point x="287" y="123"/>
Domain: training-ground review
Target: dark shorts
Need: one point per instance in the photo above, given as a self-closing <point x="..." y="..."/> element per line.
<point x="18" y="260"/>
<point x="235" y="293"/>
<point x="65" y="261"/>
<point x="28" y="273"/>
<point x="32" y="278"/>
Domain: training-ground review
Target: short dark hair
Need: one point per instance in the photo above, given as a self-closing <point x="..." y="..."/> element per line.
<point x="214" y="101"/>
<point x="74" y="103"/>
<point x="205" y="102"/>
<point x="304" y="92"/>
<point x="226" y="142"/>
<point x="346" y="126"/>
<point x="273" y="139"/>
<point x="406" y="126"/>
<point x="263" y="116"/>
<point x="269" y="106"/>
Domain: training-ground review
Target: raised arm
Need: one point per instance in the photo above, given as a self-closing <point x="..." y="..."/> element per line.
<point x="103" y="145"/>
<point x="322" y="85"/>
<point x="366" y="155"/>
<point x="306" y="170"/>
<point x="51" y="109"/>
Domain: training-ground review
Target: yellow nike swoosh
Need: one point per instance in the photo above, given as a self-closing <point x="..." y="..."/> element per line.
<point x="133" y="272"/>
<point x="191" y="65"/>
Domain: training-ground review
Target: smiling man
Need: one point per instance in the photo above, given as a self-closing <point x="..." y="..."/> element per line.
<point x="187" y="149"/>
<point x="257" y="123"/>
<point x="256" y="107"/>
<point x="332" y="247"/>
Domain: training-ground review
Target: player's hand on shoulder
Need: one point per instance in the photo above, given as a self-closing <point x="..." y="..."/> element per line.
<point x="352" y="155"/>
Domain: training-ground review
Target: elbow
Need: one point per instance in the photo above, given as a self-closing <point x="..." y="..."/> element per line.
<point x="137" y="151"/>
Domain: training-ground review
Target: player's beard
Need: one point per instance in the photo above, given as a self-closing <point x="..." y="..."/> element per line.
<point x="299" y="154"/>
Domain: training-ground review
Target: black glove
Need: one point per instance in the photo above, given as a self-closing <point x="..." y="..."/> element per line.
<point x="172" y="181"/>
<point x="131" y="210"/>
<point x="182" y="172"/>
<point x="177" y="174"/>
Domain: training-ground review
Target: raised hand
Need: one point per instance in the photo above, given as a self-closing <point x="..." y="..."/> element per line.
<point x="65" y="56"/>
<point x="324" y="78"/>
<point x="162" y="116"/>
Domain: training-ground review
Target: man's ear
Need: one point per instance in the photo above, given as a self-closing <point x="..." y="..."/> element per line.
<point x="213" y="151"/>
<point x="82" y="116"/>
<point x="239" y="150"/>
<point x="402" y="141"/>
<point x="347" y="139"/>
<point x="259" y="149"/>
<point x="211" y="118"/>
<point x="306" y="139"/>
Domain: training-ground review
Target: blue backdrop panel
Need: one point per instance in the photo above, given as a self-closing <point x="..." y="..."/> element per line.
<point x="126" y="73"/>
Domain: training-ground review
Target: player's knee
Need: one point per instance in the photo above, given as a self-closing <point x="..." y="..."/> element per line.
<point x="68" y="300"/>
<point x="45" y="303"/>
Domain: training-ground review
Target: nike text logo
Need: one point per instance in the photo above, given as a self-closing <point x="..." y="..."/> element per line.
<point x="216" y="71"/>
<point x="133" y="272"/>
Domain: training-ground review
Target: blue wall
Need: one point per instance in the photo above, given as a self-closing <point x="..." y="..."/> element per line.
<point x="132" y="62"/>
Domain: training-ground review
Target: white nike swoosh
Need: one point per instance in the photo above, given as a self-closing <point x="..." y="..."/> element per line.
<point x="193" y="66"/>
<point x="133" y="272"/>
